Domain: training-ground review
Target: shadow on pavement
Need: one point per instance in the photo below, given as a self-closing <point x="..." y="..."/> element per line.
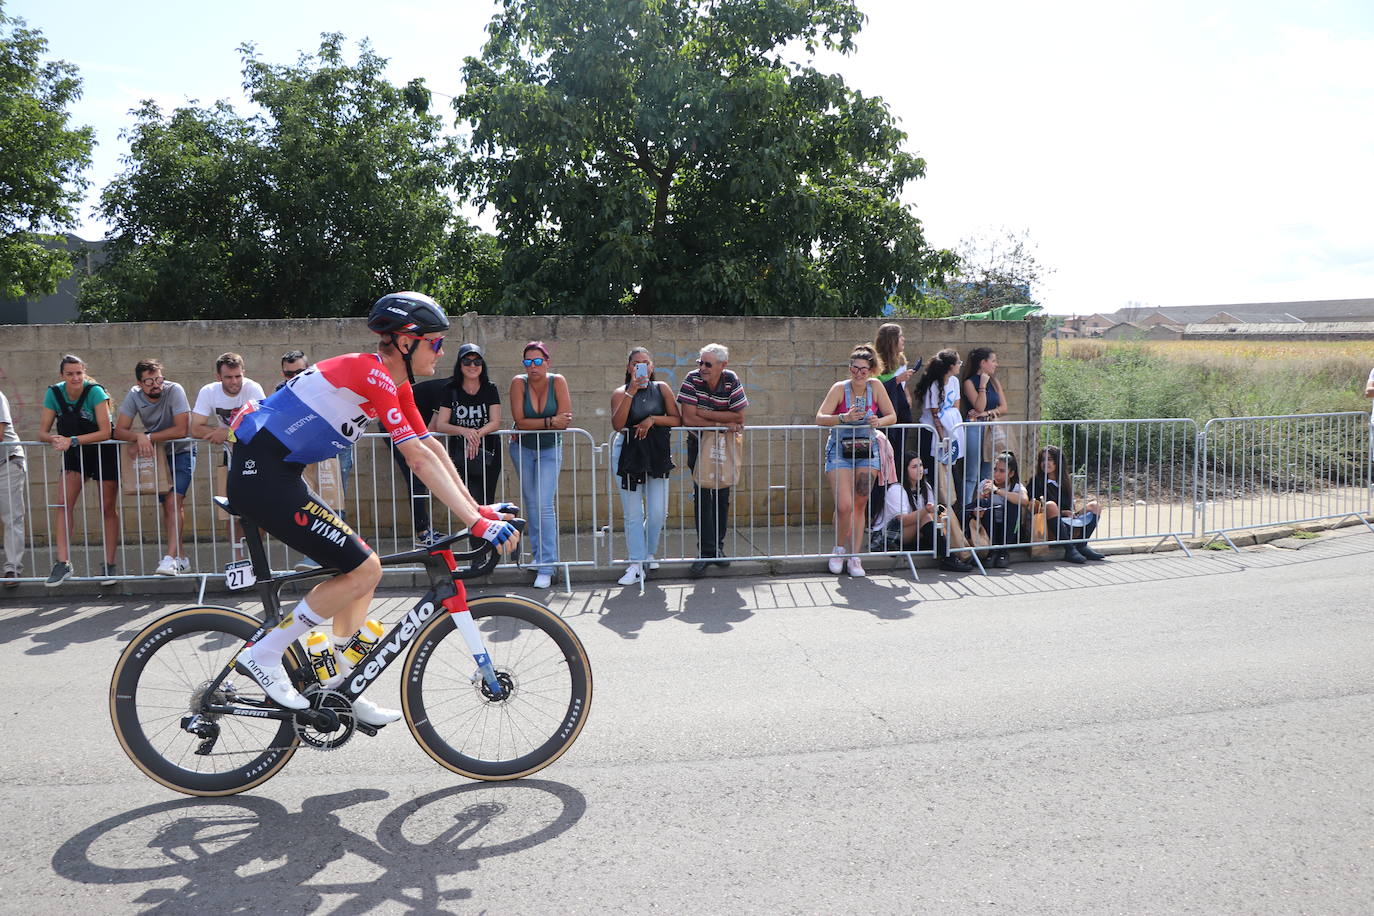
<point x="249" y="854"/>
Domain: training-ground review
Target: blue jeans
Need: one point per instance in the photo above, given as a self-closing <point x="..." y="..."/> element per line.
<point x="538" y="469"/>
<point x="976" y="470"/>
<point x="645" y="509"/>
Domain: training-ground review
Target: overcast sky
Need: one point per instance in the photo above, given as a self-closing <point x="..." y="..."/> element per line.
<point x="1169" y="153"/>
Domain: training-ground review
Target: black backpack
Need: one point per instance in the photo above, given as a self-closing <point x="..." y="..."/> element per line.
<point x="70" y="422"/>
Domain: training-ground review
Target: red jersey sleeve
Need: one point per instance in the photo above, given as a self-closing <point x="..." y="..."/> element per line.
<point x="403" y="419"/>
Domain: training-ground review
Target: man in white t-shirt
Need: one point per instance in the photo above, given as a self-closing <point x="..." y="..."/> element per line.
<point x="215" y="404"/>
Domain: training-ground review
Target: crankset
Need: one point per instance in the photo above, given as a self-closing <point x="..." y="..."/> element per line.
<point x="329" y="722"/>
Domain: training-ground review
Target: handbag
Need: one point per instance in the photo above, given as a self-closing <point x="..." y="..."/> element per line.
<point x="1039" y="531"/>
<point x="979" y="536"/>
<point x="954" y="534"/>
<point x="855" y="448"/>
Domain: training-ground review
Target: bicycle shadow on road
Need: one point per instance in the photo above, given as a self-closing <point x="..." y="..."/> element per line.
<point x="250" y="854"/>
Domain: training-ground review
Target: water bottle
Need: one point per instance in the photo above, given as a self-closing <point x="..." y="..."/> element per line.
<point x="362" y="641"/>
<point x="321" y="654"/>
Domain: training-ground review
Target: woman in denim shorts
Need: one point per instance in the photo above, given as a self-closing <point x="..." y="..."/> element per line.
<point x="855" y="407"/>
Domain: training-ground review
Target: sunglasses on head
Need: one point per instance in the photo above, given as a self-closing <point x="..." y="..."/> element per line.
<point x="537" y="361"/>
<point x="471" y="360"/>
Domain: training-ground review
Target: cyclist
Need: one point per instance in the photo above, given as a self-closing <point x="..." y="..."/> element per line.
<point x="314" y="416"/>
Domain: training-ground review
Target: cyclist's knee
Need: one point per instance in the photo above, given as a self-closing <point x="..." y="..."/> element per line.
<point x="367" y="574"/>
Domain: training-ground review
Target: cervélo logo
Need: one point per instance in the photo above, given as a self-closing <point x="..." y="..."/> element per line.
<point x="403" y="634"/>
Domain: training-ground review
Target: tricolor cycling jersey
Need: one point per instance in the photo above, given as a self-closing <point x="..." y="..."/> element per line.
<point x="322" y="411"/>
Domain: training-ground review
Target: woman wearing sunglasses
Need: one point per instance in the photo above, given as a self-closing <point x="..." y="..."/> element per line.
<point x="470" y="415"/>
<point x="855" y="406"/>
<point x="541" y="406"/>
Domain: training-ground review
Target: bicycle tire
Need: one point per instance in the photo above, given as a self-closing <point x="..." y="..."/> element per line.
<point x="155" y="684"/>
<point x="498" y="739"/>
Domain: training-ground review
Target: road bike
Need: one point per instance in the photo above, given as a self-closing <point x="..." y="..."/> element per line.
<point x="501" y="699"/>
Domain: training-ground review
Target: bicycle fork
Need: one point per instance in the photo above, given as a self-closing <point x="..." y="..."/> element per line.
<point x="493" y="687"/>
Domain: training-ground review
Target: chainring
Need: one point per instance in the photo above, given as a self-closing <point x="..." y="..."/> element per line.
<point x="341" y="707"/>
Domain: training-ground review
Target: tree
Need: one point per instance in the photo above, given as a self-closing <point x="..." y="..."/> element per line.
<point x="332" y="194"/>
<point x="997" y="268"/>
<point x="40" y="169"/>
<point x="661" y="157"/>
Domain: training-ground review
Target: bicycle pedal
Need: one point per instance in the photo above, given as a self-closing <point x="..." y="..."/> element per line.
<point x="369" y="730"/>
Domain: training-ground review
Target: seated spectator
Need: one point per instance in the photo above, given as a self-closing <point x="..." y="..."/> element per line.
<point x="907" y="519"/>
<point x="1053" y="484"/>
<point x="642" y="410"/>
<point x="997" y="510"/>
<point x="855" y="407"/>
<point x="79" y="409"/>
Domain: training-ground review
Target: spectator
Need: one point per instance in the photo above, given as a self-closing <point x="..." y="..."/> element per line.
<point x="215" y="403"/>
<point x="470" y="414"/>
<point x="711" y="395"/>
<point x="938" y="392"/>
<point x="429" y="395"/>
<point x="641" y="411"/>
<point x="1369" y="393"/>
<point x="891" y="344"/>
<point x="13" y="482"/>
<point x="1053" y="484"/>
<point x="983" y="400"/>
<point x="79" y="407"/>
<point x="991" y="509"/>
<point x="293" y="363"/>
<point x="908" y="519"/>
<point x="539" y="400"/>
<point x="855" y="406"/>
<point x="164" y="412"/>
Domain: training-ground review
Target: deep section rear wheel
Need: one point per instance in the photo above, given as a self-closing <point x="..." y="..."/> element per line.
<point x="456" y="720"/>
<point x="163" y="676"/>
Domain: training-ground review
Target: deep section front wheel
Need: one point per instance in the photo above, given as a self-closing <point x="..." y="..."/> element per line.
<point x="164" y="675"/>
<point x="548" y="690"/>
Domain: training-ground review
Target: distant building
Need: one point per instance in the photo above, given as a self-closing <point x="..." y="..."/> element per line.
<point x="1320" y="310"/>
<point x="60" y="307"/>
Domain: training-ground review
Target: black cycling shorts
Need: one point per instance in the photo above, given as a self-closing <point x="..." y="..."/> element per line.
<point x="267" y="489"/>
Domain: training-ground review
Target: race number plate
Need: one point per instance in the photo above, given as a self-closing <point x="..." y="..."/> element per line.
<point x="239" y="574"/>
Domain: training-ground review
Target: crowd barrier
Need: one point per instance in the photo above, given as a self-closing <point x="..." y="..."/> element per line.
<point x="1157" y="480"/>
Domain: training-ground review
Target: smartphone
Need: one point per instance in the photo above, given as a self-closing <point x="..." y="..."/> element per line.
<point x="641" y="371"/>
<point x="861" y="404"/>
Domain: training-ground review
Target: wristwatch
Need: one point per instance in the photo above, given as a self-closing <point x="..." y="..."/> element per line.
<point x="76" y="443"/>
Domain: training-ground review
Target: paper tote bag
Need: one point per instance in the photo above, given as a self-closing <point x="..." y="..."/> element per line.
<point x="718" y="460"/>
<point x="325" y="479"/>
<point x="140" y="476"/>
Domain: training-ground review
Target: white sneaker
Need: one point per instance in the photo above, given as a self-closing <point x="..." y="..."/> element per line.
<point x="543" y="580"/>
<point x="856" y="569"/>
<point x="633" y="573"/>
<point x="272" y="679"/>
<point x="837" y="561"/>
<point x="168" y="566"/>
<point x="653" y="564"/>
<point x="369" y="713"/>
<point x="184" y="565"/>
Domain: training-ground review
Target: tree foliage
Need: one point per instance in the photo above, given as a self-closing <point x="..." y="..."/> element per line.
<point x="664" y="157"/>
<point x="331" y="194"/>
<point x="41" y="161"/>
<point x="996" y="268"/>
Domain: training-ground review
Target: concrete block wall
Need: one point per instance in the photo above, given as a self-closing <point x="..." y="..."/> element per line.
<point x="786" y="364"/>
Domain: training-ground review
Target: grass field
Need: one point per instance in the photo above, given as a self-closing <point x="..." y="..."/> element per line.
<point x="1203" y="379"/>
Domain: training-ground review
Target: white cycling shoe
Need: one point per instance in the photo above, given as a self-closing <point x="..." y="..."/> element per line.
<point x="273" y="680"/>
<point x="369" y="713"/>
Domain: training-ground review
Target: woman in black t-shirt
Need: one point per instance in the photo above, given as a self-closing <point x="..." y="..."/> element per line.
<point x="470" y="415"/>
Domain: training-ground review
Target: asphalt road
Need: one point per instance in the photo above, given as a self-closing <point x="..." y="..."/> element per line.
<point x="1154" y="734"/>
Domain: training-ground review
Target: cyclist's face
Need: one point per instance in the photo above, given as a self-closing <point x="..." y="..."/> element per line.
<point x="424" y="357"/>
<point x="231" y="379"/>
